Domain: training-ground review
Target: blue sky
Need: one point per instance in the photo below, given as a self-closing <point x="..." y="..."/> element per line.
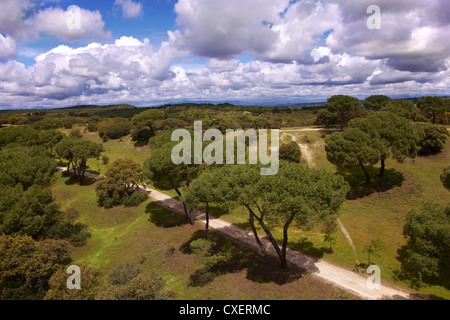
<point x="151" y="52"/>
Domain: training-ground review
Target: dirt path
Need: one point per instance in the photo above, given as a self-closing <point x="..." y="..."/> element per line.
<point x="347" y="235"/>
<point x="306" y="152"/>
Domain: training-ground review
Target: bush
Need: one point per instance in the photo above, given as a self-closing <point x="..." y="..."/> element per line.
<point x="290" y="152"/>
<point x="105" y="160"/>
<point x="326" y="118"/>
<point x="115" y="128"/>
<point x="434" y="139"/>
<point x="445" y="177"/>
<point x="135" y="199"/>
<point x="75" y="133"/>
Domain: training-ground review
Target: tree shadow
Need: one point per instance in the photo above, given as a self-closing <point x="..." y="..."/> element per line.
<point x="408" y="276"/>
<point x="307" y="247"/>
<point x="141" y="144"/>
<point x="73" y="180"/>
<point x="258" y="268"/>
<point x="360" y="189"/>
<point x="162" y="217"/>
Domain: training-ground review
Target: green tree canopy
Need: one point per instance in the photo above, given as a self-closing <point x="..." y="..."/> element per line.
<point x="431" y="107"/>
<point x="77" y="152"/>
<point x="433" y="139"/>
<point x="26" y="166"/>
<point x="395" y="134"/>
<point x="120" y="184"/>
<point x="27" y="265"/>
<point x="353" y="147"/>
<point x="344" y="107"/>
<point x="297" y="194"/>
<point x="376" y="102"/>
<point x="428" y="234"/>
<point x="326" y="118"/>
<point x="115" y="128"/>
<point x="148" y="119"/>
<point x="445" y="177"/>
<point x="402" y="108"/>
<point x="290" y="152"/>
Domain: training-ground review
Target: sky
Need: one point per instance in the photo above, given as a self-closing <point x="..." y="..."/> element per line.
<point x="58" y="53"/>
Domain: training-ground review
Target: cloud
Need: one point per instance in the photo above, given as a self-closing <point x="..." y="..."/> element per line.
<point x="298" y="50"/>
<point x="130" y="9"/>
<point x="411" y="37"/>
<point x="7" y="48"/>
<point x="70" y="25"/>
<point x="13" y="20"/>
<point x="277" y="31"/>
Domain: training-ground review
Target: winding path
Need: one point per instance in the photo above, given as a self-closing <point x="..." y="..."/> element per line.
<point x="341" y="277"/>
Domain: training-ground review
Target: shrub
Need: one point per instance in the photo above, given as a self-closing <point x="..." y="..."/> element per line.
<point x="135" y="199"/>
<point x="445" y="177"/>
<point x="290" y="152"/>
<point x="434" y="139"/>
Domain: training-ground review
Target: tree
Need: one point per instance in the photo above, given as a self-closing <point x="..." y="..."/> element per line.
<point x="120" y="184"/>
<point x="148" y="119"/>
<point x="26" y="166"/>
<point x="376" y="102"/>
<point x="160" y="168"/>
<point x="396" y="135"/>
<point x="141" y="134"/>
<point x="326" y="118"/>
<point x="205" y="189"/>
<point x="343" y="106"/>
<point x="290" y="152"/>
<point x="402" y="108"/>
<point x="34" y="213"/>
<point x="431" y="107"/>
<point x="142" y="287"/>
<point x="351" y="148"/>
<point x="428" y="234"/>
<point x="27" y="265"/>
<point x="445" y="177"/>
<point x="433" y="139"/>
<point x="77" y="152"/>
<point x="373" y="249"/>
<point x="297" y="194"/>
<point x="114" y="128"/>
<point x="92" y="284"/>
<point x="330" y="239"/>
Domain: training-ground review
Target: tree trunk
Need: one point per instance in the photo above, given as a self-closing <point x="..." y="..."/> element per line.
<point x="271" y="239"/>
<point x="207" y="220"/>
<point x="255" y="233"/>
<point x="365" y="171"/>
<point x="186" y="213"/>
<point x="285" y="240"/>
